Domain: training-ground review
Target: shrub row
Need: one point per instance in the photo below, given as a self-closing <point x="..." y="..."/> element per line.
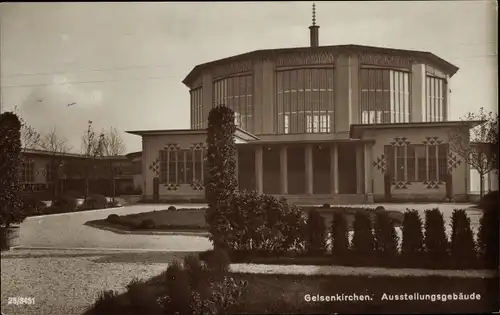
<point x="184" y="288"/>
<point x="266" y="228"/>
<point x="33" y="205"/>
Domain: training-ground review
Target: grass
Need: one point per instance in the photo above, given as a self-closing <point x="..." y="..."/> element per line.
<point x="194" y="219"/>
<point x="273" y="294"/>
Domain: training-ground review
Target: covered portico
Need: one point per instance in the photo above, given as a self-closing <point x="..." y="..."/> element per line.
<point x="323" y="169"/>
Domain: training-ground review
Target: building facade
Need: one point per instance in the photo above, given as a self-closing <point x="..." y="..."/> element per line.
<point x="108" y="175"/>
<point x="319" y="124"/>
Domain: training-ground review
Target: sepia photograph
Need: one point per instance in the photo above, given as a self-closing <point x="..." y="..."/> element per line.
<point x="215" y="158"/>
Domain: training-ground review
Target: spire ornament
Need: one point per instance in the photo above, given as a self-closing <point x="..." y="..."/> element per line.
<point x="314" y="14"/>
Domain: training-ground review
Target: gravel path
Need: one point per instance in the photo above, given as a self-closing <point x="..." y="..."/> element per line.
<point x="67" y="282"/>
<point x="68" y="231"/>
<point x="356" y="271"/>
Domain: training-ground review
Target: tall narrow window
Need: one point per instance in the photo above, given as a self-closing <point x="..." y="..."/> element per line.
<point x="197" y="119"/>
<point x="304" y="100"/>
<point x="417" y="162"/>
<point x="28" y="171"/>
<point x="384" y="96"/>
<point x="181" y="166"/>
<point x="435" y="101"/>
<point x="236" y="93"/>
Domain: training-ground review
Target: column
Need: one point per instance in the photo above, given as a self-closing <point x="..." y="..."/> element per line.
<point x="334" y="169"/>
<point x="359" y="169"/>
<point x="368" y="168"/>
<point x="309" y="169"/>
<point x="259" y="183"/>
<point x="207" y="97"/>
<point x="417" y="92"/>
<point x="268" y="97"/>
<point x="283" y="170"/>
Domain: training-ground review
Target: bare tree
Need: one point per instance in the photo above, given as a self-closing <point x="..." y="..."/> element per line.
<point x="92" y="147"/>
<point x="30" y="138"/>
<point x="478" y="147"/>
<point x="57" y="146"/>
<point x="112" y="146"/>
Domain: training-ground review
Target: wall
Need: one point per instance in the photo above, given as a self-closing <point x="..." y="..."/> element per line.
<point x="405" y="190"/>
<point x="151" y="168"/>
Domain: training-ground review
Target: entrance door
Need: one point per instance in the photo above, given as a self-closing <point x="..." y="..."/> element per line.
<point x="347" y="168"/>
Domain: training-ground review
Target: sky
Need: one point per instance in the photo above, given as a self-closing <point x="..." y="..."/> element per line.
<point x="122" y="63"/>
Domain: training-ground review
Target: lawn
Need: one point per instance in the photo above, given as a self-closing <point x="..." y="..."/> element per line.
<point x="299" y="294"/>
<point x="194" y="219"/>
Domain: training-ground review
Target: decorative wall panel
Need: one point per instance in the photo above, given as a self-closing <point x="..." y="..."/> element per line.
<point x="435" y="72"/>
<point x="377" y="59"/>
<point x="380" y="164"/>
<point x="453" y="162"/>
<point x="303" y="59"/>
<point x="232" y="68"/>
<point x="155" y="166"/>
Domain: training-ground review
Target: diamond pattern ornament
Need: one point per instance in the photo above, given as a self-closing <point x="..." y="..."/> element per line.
<point x="432" y="141"/>
<point x="400" y="142"/>
<point x="453" y="162"/>
<point x="172" y="147"/>
<point x="401" y="184"/>
<point x="432" y="184"/>
<point x="172" y="186"/>
<point x="196" y="185"/>
<point x="155" y="166"/>
<point x="198" y="146"/>
<point x="380" y="163"/>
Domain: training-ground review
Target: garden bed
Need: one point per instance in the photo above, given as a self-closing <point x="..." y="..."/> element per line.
<point x="194" y="219"/>
<point x="299" y="294"/>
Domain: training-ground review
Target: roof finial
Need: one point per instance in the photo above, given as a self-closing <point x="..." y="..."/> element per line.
<point x="314" y="14"/>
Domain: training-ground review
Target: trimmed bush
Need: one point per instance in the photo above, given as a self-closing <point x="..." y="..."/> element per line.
<point x="222" y="183"/>
<point x="326" y="206"/>
<point x="463" y="247"/>
<point x="340" y="236"/>
<point x="435" y="240"/>
<point x="178" y="290"/>
<point x="218" y="262"/>
<point x="363" y="243"/>
<point x="488" y="238"/>
<point x="113" y="218"/>
<point x="197" y="273"/>
<point x="63" y="204"/>
<point x="413" y="239"/>
<point x="172" y="208"/>
<point x="11" y="204"/>
<point x="379" y="209"/>
<point x="95" y="201"/>
<point x="107" y="303"/>
<point x="316" y="236"/>
<point x="386" y="239"/>
<point x="146" y="224"/>
<point x="489" y="201"/>
<point x="33" y="205"/>
<point x="112" y="203"/>
<point x="142" y="298"/>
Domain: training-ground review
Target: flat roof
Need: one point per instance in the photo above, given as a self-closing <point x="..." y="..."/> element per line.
<point x="270" y="53"/>
<point x="240" y="133"/>
<point x="357" y="128"/>
<point x="72" y="155"/>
